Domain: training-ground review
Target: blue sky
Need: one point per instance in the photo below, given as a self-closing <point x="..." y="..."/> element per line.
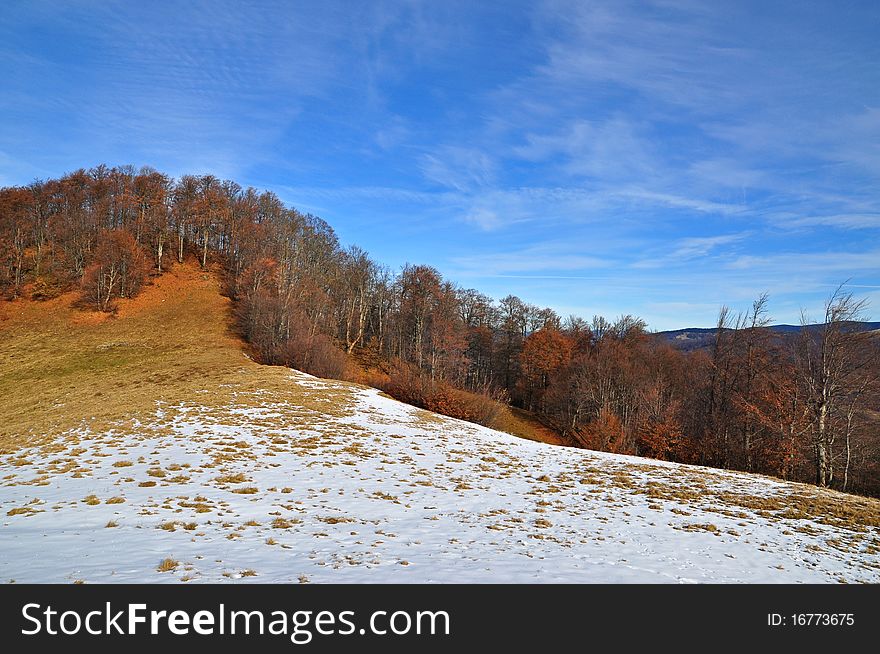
<point x="654" y="158"/>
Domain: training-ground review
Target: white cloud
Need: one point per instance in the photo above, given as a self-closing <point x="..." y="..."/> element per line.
<point x="703" y="245"/>
<point x="545" y="257"/>
<point x="486" y="219"/>
<point x="460" y="168"/>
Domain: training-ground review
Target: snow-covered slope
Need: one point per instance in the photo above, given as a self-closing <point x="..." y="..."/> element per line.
<point x="335" y="482"/>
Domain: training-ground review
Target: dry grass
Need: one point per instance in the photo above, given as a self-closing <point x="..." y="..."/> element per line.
<point x="523" y="424"/>
<point x="236" y="478"/>
<point x="282" y="523"/>
<point x="167" y="565"/>
<point x="335" y="520"/>
<point x="247" y="490"/>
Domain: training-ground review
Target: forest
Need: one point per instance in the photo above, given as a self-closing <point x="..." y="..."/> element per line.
<point x="803" y="407"/>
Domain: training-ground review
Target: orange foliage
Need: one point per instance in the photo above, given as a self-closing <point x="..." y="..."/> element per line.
<point x="407" y="384"/>
<point x="660" y="439"/>
<point x="119" y="269"/>
<point x="546" y="350"/>
<point x="604" y="433"/>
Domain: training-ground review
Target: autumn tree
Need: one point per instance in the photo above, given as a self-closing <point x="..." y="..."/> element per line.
<point x="118" y="269"/>
<point x="512" y="330"/>
<point x="355" y="286"/>
<point x="150" y="190"/>
<point x="185" y="197"/>
<point x="544" y="352"/>
<point x="659" y="432"/>
<point x="780" y="407"/>
<point x="418" y="288"/>
<point x="207" y="209"/>
<point x="15" y="213"/>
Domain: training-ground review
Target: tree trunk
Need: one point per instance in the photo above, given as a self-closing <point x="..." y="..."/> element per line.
<point x="821" y="464"/>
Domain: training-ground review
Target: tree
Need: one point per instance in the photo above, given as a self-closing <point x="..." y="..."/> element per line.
<point x="150" y="189"/>
<point x="660" y="434"/>
<point x="752" y="360"/>
<point x="119" y="269"/>
<point x="207" y="210"/>
<point x="15" y="211"/>
<point x="779" y="406"/>
<point x="185" y="196"/>
<point x="833" y="364"/>
<point x="544" y="352"/>
<point x="513" y="328"/>
<point x="355" y="285"/>
<point x="418" y="288"/>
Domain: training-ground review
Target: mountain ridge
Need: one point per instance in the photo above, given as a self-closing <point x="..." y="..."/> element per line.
<point x="694" y="338"/>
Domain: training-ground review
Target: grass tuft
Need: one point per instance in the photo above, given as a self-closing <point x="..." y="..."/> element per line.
<point x="167" y="565"/>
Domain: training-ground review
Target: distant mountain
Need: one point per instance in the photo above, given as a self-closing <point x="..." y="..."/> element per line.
<point x="696" y="338"/>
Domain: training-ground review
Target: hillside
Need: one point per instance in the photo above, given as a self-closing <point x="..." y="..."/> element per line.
<point x="193" y="463"/>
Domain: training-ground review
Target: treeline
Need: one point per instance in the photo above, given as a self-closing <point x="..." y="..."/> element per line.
<point x="803" y="408"/>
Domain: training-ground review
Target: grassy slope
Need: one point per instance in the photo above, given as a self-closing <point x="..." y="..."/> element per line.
<point x="62" y="367"/>
<point x="523" y="424"/>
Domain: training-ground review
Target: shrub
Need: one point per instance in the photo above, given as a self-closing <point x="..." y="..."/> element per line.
<point x="46" y="287"/>
<point x="604" y="433"/>
<point x="315" y="354"/>
<point x="659" y="439"/>
<point x="407" y="384"/>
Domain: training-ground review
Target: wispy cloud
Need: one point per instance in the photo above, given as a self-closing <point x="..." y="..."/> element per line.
<point x="809" y="263"/>
<point x="546" y="257"/>
<point x="685" y="251"/>
<point x="608" y="150"/>
<point x="844" y="221"/>
<point x="700" y="246"/>
<point x="459" y="168"/>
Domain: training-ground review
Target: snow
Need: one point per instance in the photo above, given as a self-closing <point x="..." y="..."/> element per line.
<point x="372" y="490"/>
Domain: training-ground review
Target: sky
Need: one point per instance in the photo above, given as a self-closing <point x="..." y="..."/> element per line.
<point x="659" y="159"/>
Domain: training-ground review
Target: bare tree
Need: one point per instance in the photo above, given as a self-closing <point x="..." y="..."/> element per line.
<point x="751" y="363"/>
<point x="833" y="363"/>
